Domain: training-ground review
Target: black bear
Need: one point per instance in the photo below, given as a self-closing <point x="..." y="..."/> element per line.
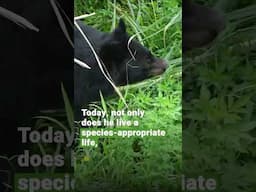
<point x="200" y="25"/>
<point x="126" y="60"/>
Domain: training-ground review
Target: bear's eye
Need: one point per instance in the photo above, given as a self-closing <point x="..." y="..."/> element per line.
<point x="149" y="57"/>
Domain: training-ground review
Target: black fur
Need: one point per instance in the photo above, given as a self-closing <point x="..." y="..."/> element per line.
<point x="200" y="25"/>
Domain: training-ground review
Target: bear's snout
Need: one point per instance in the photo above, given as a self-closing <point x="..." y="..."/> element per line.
<point x="158" y="67"/>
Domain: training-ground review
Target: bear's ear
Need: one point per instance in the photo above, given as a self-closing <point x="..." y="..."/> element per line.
<point x="121" y="26"/>
<point x="113" y="50"/>
<point x="119" y="33"/>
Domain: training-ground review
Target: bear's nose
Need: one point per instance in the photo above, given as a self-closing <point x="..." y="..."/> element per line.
<point x="164" y="64"/>
<point x="158" y="67"/>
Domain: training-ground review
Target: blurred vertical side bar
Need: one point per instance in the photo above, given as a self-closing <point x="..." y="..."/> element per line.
<point x="36" y="59"/>
<point x="219" y="75"/>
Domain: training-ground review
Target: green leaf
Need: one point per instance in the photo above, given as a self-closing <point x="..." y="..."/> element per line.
<point x="241" y="102"/>
<point x="68" y="108"/>
<point x="204" y="93"/>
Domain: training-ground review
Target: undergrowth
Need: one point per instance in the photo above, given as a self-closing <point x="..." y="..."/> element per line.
<point x="219" y="88"/>
<point x="155" y="166"/>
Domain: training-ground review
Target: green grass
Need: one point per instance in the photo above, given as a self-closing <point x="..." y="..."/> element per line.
<point x="156" y="166"/>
